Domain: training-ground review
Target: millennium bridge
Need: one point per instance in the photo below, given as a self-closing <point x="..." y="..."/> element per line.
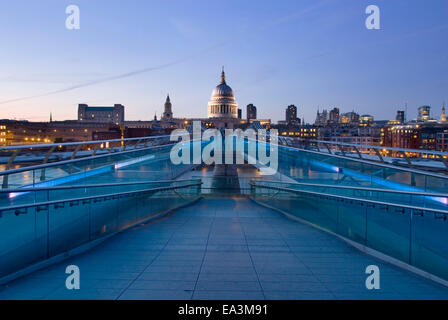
<point x="139" y="227"/>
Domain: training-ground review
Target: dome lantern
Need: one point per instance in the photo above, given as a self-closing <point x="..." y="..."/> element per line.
<point x="223" y="76"/>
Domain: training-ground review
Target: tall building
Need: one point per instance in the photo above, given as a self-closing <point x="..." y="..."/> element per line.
<point x="400" y="116"/>
<point x="240" y="113"/>
<point x="334" y="115"/>
<point x="424" y="113"/>
<point x="443" y="116"/>
<point x="113" y="114"/>
<point x="365" y="120"/>
<point x="167" y="113"/>
<point x="321" y="118"/>
<point x="349" y="118"/>
<point x="442" y="141"/>
<point x="251" y="112"/>
<point x="222" y="102"/>
<point x="291" y="115"/>
<point x="404" y="136"/>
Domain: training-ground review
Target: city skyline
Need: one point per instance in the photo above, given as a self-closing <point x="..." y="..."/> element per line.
<point x="334" y="61"/>
<point x="220" y="155"/>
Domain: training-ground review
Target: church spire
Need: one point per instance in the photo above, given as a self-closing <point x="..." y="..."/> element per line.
<point x="223" y="76"/>
<point x="443" y="118"/>
<point x="167" y="112"/>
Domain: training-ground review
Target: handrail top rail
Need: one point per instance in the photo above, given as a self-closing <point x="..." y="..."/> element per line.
<point x="85" y="186"/>
<point x="45" y="203"/>
<point x="418" y="193"/>
<point x="90" y="157"/>
<point x="370" y="162"/>
<point x="367" y="161"/>
<point x="63" y="144"/>
<point x="391" y="204"/>
<point x="38" y="146"/>
<point x="440" y="153"/>
<point x="62" y="162"/>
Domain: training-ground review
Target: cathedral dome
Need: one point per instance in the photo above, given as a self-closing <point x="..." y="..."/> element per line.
<point x="221" y="91"/>
<point x="222" y="102"/>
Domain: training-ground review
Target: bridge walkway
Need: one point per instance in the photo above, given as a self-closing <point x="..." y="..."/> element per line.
<point x="223" y="249"/>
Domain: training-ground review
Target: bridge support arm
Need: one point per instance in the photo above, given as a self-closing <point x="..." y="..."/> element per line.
<point x="78" y="147"/>
<point x="406" y="158"/>
<point x="359" y="153"/>
<point x="47" y="156"/>
<point x="8" y="166"/>
<point x="379" y="155"/>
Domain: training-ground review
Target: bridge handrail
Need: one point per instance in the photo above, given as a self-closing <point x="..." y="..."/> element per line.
<point x="383" y="203"/>
<point x="367" y="161"/>
<point x="417" y="193"/>
<point x="363" y="160"/>
<point x="62" y="162"/>
<point x="65" y="144"/>
<point x="125" y="193"/>
<point x="84" y="186"/>
<point x="367" y="146"/>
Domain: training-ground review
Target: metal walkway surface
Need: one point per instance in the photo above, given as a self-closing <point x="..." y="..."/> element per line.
<point x="223" y="249"/>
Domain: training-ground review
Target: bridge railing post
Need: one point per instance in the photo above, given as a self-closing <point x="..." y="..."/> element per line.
<point x="8" y="166"/>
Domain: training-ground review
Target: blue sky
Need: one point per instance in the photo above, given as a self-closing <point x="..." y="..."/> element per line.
<point x="305" y="52"/>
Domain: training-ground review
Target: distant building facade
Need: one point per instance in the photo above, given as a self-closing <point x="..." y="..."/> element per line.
<point x="404" y="136"/>
<point x="24" y="132"/>
<point x="366" y="120"/>
<point x="113" y="114"/>
<point x="334" y="116"/>
<point x="443" y="116"/>
<point x="354" y="134"/>
<point x="428" y="136"/>
<point x="424" y="113"/>
<point x="400" y="117"/>
<point x="321" y="118"/>
<point x="299" y="131"/>
<point x="349" y="118"/>
<point x="442" y="140"/>
<point x="251" y="112"/>
<point x="291" y="115"/>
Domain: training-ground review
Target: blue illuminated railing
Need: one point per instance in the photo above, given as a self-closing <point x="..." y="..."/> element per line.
<point x="40" y="223"/>
<point x="380" y="154"/>
<point x="422" y="199"/>
<point x="414" y="233"/>
<point x="71" y="171"/>
<point x="311" y="166"/>
<point x="71" y="158"/>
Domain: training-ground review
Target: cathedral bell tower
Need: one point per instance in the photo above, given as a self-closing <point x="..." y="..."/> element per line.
<point x="167" y="113"/>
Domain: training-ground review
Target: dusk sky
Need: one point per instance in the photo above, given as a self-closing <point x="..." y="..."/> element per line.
<point x="305" y="52"/>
